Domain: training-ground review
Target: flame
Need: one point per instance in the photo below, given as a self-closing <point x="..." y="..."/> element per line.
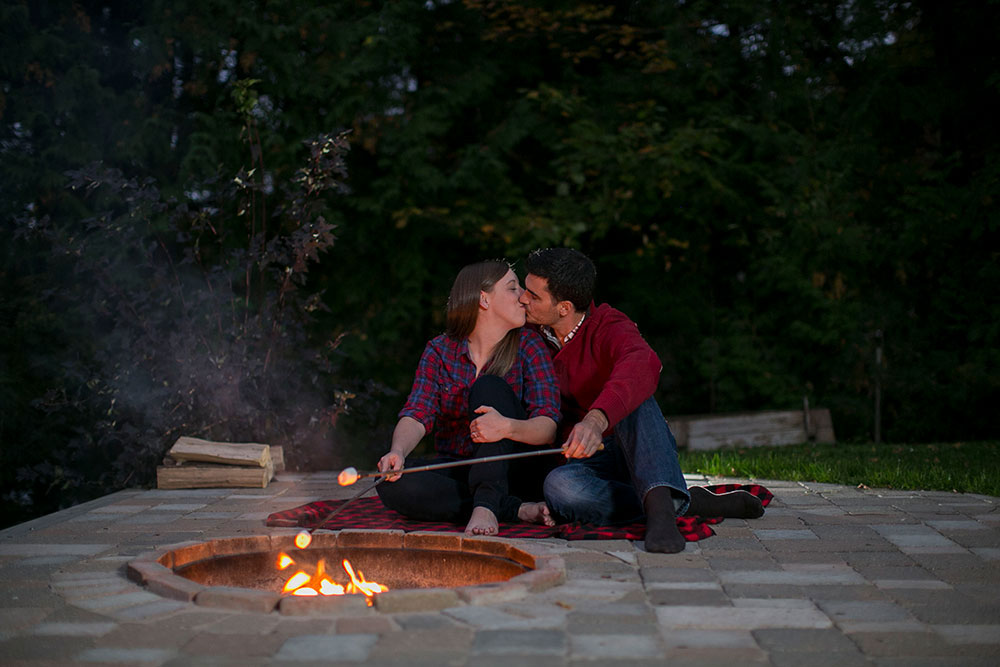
<point x="303" y="584"/>
<point x="359" y="584"/>
<point x="297" y="580"/>
<point x="303" y="539"/>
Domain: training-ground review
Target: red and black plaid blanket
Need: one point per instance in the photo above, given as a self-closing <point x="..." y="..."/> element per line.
<point x="371" y="513"/>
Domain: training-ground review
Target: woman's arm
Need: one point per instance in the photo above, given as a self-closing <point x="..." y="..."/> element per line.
<point x="405" y="437"/>
<point x="491" y="426"/>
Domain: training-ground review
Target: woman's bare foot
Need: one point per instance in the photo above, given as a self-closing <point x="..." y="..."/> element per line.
<point x="535" y="513"/>
<point x="483" y="522"/>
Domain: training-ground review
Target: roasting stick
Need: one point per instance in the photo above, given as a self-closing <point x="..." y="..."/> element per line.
<point x="349" y="476"/>
<point x="304" y="537"/>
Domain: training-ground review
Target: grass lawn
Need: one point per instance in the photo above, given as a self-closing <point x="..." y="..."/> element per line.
<point x="967" y="467"/>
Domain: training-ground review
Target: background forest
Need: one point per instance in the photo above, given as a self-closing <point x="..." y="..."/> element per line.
<point x="240" y="221"/>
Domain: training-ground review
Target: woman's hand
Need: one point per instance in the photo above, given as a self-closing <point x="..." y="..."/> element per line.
<point x="490" y="426"/>
<point x="391" y="461"/>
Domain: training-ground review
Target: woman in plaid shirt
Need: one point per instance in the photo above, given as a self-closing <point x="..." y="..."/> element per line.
<point x="484" y="387"/>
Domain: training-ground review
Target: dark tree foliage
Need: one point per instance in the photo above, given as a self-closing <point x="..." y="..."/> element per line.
<point x="771" y="189"/>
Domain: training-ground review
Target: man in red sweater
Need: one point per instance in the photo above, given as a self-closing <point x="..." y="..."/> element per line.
<point x="607" y="375"/>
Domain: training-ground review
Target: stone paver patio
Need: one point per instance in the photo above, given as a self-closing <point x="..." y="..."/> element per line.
<point x="830" y="575"/>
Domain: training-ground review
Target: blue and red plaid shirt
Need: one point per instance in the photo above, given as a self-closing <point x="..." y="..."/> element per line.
<point x="440" y="396"/>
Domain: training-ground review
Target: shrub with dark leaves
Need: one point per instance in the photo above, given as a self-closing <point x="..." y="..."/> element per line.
<point x="191" y="316"/>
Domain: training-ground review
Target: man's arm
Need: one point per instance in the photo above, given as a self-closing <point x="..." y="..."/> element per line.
<point x="635" y="371"/>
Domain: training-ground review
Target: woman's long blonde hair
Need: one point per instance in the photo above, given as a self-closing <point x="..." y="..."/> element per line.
<point x="463" y="311"/>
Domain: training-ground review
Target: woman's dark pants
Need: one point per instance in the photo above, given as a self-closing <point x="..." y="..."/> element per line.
<point x="451" y="494"/>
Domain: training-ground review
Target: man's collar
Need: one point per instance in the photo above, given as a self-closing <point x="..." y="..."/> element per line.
<point x="554" y="339"/>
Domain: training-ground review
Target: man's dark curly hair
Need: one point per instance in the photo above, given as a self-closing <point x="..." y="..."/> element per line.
<point x="570" y="273"/>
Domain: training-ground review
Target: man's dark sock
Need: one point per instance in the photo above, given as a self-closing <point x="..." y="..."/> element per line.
<point x="662" y="535"/>
<point x="734" y="505"/>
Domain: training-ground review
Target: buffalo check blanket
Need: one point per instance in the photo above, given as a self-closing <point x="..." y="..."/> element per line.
<point x="370" y="513"/>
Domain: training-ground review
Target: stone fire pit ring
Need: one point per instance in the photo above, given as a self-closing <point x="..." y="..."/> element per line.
<point x="533" y="571"/>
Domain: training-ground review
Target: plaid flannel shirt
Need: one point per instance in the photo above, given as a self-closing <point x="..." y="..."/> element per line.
<point x="439" y="398"/>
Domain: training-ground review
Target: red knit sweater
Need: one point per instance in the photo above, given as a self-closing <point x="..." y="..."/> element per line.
<point x="607" y="365"/>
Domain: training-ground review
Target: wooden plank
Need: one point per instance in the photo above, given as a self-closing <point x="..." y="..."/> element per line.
<point x="752" y="429"/>
<point x="278" y="458"/>
<point x="234" y="453"/>
<point x="209" y="476"/>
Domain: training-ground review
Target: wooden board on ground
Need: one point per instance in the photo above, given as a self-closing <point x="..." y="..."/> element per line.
<point x="752" y="429"/>
<point x="233" y="453"/>
<point x="278" y="458"/>
<point x="176" y="475"/>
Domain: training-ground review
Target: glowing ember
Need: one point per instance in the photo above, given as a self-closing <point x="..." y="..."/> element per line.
<point x="303" y="584"/>
<point x="303" y="539"/>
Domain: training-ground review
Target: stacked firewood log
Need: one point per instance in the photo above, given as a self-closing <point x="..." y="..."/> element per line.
<point x="193" y="463"/>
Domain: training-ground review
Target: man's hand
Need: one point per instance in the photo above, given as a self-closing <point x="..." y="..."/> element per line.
<point x="490" y="426"/>
<point x="391" y="461"/>
<point x="585" y="438"/>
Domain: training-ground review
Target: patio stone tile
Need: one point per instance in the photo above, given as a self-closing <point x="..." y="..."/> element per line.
<point x="669" y="574"/>
<point x="796" y="534"/>
<point x="792" y="578"/>
<point x="876" y="611"/>
<point x="679" y="587"/>
<point x="484" y="617"/>
<point x="205" y="644"/>
<point x="127" y="656"/>
<point x="882" y="627"/>
<point x="710" y="639"/>
<point x="424" y="621"/>
<point x="117" y="509"/>
<point x="520" y="642"/>
<point x="327" y="648"/>
<point x="43" y="549"/>
<point x="620" y="646"/>
<point x="826" y="659"/>
<point x="145" y="612"/>
<point x="108" y="603"/>
<point x="587" y="624"/>
<point x="714" y="598"/>
<point x="900" y="643"/>
<point x="785" y="603"/>
<point x="804" y="641"/>
<point x="57" y="650"/>
<point x="745" y="618"/>
<point x="178" y="507"/>
<point x="67" y="629"/>
<point x="713" y="657"/>
<point x="926" y="584"/>
<point x="969" y="634"/>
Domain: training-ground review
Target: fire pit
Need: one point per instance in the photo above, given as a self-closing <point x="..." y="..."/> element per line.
<point x="391" y="570"/>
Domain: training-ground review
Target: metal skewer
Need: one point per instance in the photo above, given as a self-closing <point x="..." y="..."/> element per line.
<point x="349" y="476"/>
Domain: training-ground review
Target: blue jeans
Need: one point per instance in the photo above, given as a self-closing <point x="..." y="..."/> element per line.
<point x="609" y="487"/>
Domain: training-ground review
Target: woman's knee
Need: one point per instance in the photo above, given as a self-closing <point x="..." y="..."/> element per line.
<point x="493" y="390"/>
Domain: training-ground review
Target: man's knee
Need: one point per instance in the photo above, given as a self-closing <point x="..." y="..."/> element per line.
<point x="570" y="494"/>
<point x="563" y="486"/>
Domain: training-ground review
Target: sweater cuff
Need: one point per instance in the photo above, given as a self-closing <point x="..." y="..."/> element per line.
<point x="614" y="409"/>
